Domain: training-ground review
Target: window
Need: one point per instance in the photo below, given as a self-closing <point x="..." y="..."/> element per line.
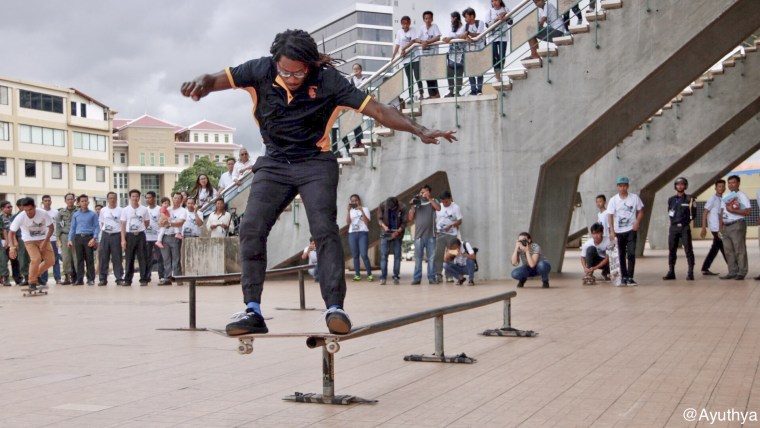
<point x="217" y="158"/>
<point x="123" y="157"/>
<point x="43" y="102"/>
<point x="197" y="157"/>
<point x="81" y="173"/>
<point x="96" y="143"/>
<point x="73" y="108"/>
<point x="216" y="138"/>
<point x="195" y="137"/>
<point x="4" y="95"/>
<point x="120" y="187"/>
<point x="57" y="171"/>
<point x="142" y="158"/>
<point x="44" y="136"/>
<point x="100" y="174"/>
<point x="161" y="159"/>
<point x="5" y="131"/>
<point x="83" y="109"/>
<point x="226" y="138"/>
<point x="30" y="168"/>
<point x="176" y="159"/>
<point x="150" y="182"/>
<point x="187" y="159"/>
<point x="152" y="159"/>
<point x="3" y="166"/>
<point x="205" y="138"/>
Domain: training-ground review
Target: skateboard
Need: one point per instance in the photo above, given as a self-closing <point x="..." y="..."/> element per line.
<point x="589" y="280"/>
<point x="37" y="292"/>
<point x="612" y="252"/>
<point x="313" y="340"/>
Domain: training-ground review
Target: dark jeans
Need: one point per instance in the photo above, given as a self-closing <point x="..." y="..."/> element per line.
<point x="153" y="256"/>
<point x="454" y="73"/>
<point x="136" y="249"/>
<point x="84" y="256"/>
<point x="56" y="265"/>
<point x="455" y="271"/>
<point x="275" y="184"/>
<point x="476" y="85"/>
<point x="413" y="67"/>
<point x="110" y="249"/>
<point x="171" y="254"/>
<point x="359" y="244"/>
<point x="432" y="86"/>
<point x="524" y="272"/>
<point x="717" y="246"/>
<point x="566" y="16"/>
<point x="386" y="245"/>
<point x="499" y="53"/>
<point x="593" y="258"/>
<point x="626" y="243"/>
<point x="675" y="235"/>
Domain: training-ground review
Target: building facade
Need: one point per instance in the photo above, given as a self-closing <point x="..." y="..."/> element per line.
<point x="52" y="141"/>
<point x="149" y="153"/>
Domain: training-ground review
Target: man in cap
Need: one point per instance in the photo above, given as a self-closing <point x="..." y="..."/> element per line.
<point x="624" y="213"/>
<point x="681" y="209"/>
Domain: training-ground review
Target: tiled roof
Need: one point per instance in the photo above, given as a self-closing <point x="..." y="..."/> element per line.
<point x="206" y="125"/>
<point x="146" y="121"/>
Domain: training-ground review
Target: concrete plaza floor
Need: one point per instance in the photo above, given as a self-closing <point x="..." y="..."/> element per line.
<point x="636" y="356"/>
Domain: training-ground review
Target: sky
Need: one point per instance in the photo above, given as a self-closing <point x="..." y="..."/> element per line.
<point x="134" y="55"/>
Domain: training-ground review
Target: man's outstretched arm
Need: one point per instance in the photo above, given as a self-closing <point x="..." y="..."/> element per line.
<point x="205" y="84"/>
<point x="392" y="118"/>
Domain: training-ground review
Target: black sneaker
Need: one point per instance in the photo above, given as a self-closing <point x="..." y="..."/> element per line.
<point x="631" y="282"/>
<point x="415" y="282"/>
<point x="103" y="283"/>
<point x="337" y="321"/>
<point x="521" y="283"/>
<point x="32" y="287"/>
<point x="545" y="284"/>
<point x="248" y="322"/>
<point x="395" y="280"/>
<point x="461" y="280"/>
<point x="118" y="282"/>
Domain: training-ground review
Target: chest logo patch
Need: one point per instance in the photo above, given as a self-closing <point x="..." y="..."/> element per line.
<point x="312" y="92"/>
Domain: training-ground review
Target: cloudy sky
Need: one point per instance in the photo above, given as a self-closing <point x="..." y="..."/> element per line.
<point x="134" y="55"/>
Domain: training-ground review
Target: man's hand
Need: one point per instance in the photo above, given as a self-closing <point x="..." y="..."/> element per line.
<point x="198" y="88"/>
<point x="702" y="233"/>
<point x="124" y="244"/>
<point x="69" y="244"/>
<point x="636" y="226"/>
<point x="431" y="136"/>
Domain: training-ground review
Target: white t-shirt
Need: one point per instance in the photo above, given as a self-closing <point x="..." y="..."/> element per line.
<point x="356" y="81"/>
<point x="446" y="216"/>
<point x="175" y="215"/>
<point x="465" y="248"/>
<point x="151" y="232"/>
<point x="110" y="219"/>
<point x="491" y="17"/>
<point x="456" y="49"/>
<point x="236" y="174"/>
<point x="312" y="255"/>
<point x="225" y="180"/>
<point x="601" y="217"/>
<point x="601" y="248"/>
<point x="743" y="204"/>
<point x="190" y="228"/>
<point x="403" y="38"/>
<point x="204" y="197"/>
<point x="215" y="219"/>
<point x="552" y="17"/>
<point x="624" y="211"/>
<point x="476" y="27"/>
<point x="53" y="213"/>
<point x="713" y="216"/>
<point x="357" y="224"/>
<point x="134" y="218"/>
<point x="426" y="34"/>
<point x="32" y="229"/>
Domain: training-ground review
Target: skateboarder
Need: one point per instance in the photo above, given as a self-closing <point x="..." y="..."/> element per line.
<point x="297" y="93"/>
<point x="36" y="229"/>
<point x="594" y="254"/>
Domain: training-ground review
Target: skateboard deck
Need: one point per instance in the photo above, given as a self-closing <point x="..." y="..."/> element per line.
<point x="313" y="340"/>
<point x="37" y="292"/>
<point x="612" y="252"/>
<point x="589" y="280"/>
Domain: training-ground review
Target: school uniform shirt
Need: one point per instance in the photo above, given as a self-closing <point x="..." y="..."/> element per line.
<point x="446" y="216"/>
<point x="217" y="219"/>
<point x="356" y="81"/>
<point x="491" y="17"/>
<point x="175" y="215"/>
<point x="357" y="223"/>
<point x="134" y="218"/>
<point x="295" y="126"/>
<point x="552" y="17"/>
<point x="713" y="215"/>
<point x="426" y="34"/>
<point x="312" y="255"/>
<point x="601" y="249"/>
<point x="110" y="220"/>
<point x="32" y="229"/>
<point x="456" y="49"/>
<point x="601" y="217"/>
<point x="190" y="228"/>
<point x="151" y="232"/>
<point x="403" y="38"/>
<point x="476" y="27"/>
<point x="743" y="204"/>
<point x="225" y="180"/>
<point x="53" y="213"/>
<point x="624" y="211"/>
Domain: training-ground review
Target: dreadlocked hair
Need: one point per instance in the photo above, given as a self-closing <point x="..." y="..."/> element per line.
<point x="298" y="45"/>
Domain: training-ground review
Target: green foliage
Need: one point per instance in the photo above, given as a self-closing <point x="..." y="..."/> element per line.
<point x="189" y="176"/>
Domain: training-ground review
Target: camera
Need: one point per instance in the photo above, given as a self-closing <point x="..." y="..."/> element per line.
<point x="416" y="200"/>
<point x="524" y="242"/>
<point x="353" y="206"/>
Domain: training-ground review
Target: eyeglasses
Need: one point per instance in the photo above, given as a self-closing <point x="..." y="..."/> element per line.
<point x="243" y="154"/>
<point x="287" y="74"/>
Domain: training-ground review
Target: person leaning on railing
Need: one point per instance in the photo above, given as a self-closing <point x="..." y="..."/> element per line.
<point x="426" y="36"/>
<point x="474" y="28"/>
<point x="498" y="13"/>
<point x="405" y="37"/>
<point x="455" y="57"/>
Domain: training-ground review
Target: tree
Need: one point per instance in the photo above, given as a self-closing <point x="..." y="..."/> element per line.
<point x="189" y="176"/>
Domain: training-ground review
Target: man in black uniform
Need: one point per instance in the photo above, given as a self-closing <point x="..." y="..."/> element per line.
<point x="297" y="94"/>
<point x="681" y="209"/>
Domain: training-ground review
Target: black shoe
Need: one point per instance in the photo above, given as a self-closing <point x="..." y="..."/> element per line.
<point x="631" y="282"/>
<point x="143" y="282"/>
<point x="79" y="283"/>
<point x="415" y="282"/>
<point x="545" y="284"/>
<point x="461" y="280"/>
<point x="669" y="277"/>
<point x="119" y="282"/>
<point x="727" y="276"/>
<point x="471" y="283"/>
<point x="395" y="280"/>
<point x="521" y="283"/>
<point x="164" y="282"/>
<point x="101" y="283"/>
<point x="707" y="272"/>
<point x="66" y="280"/>
<point x="32" y="287"/>
<point x="337" y="321"/>
<point x="248" y="323"/>
<point x="90" y="282"/>
<point x="739" y="277"/>
<point x="690" y="276"/>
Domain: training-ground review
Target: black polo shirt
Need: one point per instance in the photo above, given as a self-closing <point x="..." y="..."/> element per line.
<point x="296" y="125"/>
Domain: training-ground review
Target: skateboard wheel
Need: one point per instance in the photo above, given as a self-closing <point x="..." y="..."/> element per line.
<point x="332" y="347"/>
<point x="248" y="348"/>
<point x="242" y="349"/>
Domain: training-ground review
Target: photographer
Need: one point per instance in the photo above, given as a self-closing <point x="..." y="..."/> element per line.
<point x="460" y="259"/>
<point x="529" y="261"/>
<point x="310" y="254"/>
<point x="358" y="236"/>
<point x="392" y="218"/>
<point x="422" y="213"/>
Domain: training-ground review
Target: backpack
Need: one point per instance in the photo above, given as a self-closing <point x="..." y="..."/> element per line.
<point x="474" y="251"/>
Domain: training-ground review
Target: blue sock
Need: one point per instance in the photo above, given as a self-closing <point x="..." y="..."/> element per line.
<point x="255" y="307"/>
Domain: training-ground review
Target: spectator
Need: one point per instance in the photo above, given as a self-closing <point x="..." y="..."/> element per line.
<point x="203" y="191"/>
<point x="498" y="13"/>
<point x="164" y="215"/>
<point x="83" y="237"/>
<point x="185" y="195"/>
<point x="5" y="221"/>
<point x="427" y="35"/>
<point x="21" y="267"/>
<point x="153" y="255"/>
<point x="555" y="27"/>
<point x="567" y="6"/>
<point x="448" y="219"/>
<point x="405" y="37"/>
<point x="219" y="223"/>
<point x="226" y="179"/>
<point x="460" y="260"/>
<point x="310" y="254"/>
<point x="474" y="28"/>
<point x="243" y="165"/>
<point x="681" y="209"/>
<point x="422" y="213"/>
<point x="358" y="218"/>
<point x="37" y="228"/>
<point x="594" y="253"/>
<point x="46" y="203"/>
<point x="68" y="256"/>
<point x="194" y="220"/>
<point x="601" y="216"/>
<point x="530" y="261"/>
<point x="455" y="57"/>
<point x="711" y="219"/>
<point x="624" y="214"/>
<point x="392" y="217"/>
<point x="110" y="243"/>
<point x="735" y="207"/>
<point x="135" y="218"/>
<point x="357" y="79"/>
<point x="171" y="244"/>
